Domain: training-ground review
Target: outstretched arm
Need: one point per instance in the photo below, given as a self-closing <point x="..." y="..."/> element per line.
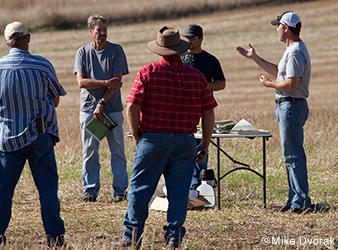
<point x="250" y="53"/>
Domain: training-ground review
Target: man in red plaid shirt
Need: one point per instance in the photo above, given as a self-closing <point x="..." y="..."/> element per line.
<point x="165" y="105"/>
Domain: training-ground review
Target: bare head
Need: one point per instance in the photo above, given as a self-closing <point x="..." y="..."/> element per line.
<point x="93" y="20"/>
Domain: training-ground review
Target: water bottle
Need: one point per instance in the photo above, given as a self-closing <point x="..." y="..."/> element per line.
<point x="208" y="188"/>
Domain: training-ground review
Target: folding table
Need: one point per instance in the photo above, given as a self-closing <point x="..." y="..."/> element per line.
<point x="243" y="166"/>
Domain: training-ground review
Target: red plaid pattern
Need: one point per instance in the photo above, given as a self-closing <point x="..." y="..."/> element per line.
<point x="171" y="95"/>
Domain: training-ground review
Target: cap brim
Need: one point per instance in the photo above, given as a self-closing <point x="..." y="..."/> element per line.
<point x="189" y="35"/>
<point x="275" y="22"/>
<point x="169" y="51"/>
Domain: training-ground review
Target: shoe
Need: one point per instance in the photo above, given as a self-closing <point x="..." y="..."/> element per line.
<point x="118" y="244"/>
<point x="284" y="209"/>
<point x="88" y="198"/>
<point x="304" y="210"/>
<point x="57" y="242"/>
<point x="2" y="240"/>
<point x="171" y="245"/>
<point x="280" y="208"/>
<point x="120" y="198"/>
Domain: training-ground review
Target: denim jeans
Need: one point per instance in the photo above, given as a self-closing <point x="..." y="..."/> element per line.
<point x="292" y="116"/>
<point x="174" y="155"/>
<point x="91" y="158"/>
<point x="41" y="159"/>
<point x="196" y="180"/>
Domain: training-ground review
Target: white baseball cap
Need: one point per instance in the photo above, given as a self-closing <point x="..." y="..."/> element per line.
<point x="15" y="30"/>
<point x="288" y="18"/>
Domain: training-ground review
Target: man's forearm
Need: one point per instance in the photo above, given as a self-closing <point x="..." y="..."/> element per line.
<point x="90" y="84"/>
<point x="56" y="101"/>
<point x="269" y="67"/>
<point x="110" y="91"/>
<point x="217" y="85"/>
<point x="208" y="120"/>
<point x="133" y="114"/>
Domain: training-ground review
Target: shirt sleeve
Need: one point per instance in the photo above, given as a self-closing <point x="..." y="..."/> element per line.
<point x="79" y="65"/>
<point x="121" y="65"/>
<point x="207" y="99"/>
<point x="218" y="72"/>
<point x="137" y="92"/>
<point x="55" y="89"/>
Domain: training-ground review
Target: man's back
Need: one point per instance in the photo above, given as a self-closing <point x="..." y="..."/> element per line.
<point x="172" y="94"/>
<point x="28" y="86"/>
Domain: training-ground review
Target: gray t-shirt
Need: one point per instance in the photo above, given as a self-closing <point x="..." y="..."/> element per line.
<point x="295" y="63"/>
<point x="100" y="65"/>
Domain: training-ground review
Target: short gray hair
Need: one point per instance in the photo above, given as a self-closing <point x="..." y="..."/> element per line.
<point x="94" y="19"/>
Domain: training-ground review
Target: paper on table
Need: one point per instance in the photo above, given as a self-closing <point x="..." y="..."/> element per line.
<point x="224" y="126"/>
<point x="244" y="127"/>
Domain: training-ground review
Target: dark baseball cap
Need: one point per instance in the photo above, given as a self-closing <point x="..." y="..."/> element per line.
<point x="193" y="30"/>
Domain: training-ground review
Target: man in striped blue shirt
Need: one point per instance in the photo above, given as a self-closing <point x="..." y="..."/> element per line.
<point x="29" y="93"/>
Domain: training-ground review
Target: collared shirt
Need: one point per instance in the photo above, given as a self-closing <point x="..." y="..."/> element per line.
<point x="28" y="84"/>
<point x="172" y="96"/>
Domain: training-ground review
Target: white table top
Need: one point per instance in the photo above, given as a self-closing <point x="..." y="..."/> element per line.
<point x="198" y="135"/>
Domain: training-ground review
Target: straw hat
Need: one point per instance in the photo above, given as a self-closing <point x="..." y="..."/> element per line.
<point x="169" y="42"/>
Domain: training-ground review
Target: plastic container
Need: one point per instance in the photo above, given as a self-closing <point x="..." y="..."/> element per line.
<point x="208" y="188"/>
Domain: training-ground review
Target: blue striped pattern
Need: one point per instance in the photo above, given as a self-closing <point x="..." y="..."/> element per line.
<point x="28" y="84"/>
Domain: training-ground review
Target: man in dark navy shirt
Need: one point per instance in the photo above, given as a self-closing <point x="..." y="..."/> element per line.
<point x="211" y="68"/>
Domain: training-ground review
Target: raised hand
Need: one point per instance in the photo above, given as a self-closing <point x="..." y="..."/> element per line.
<point x="248" y="53"/>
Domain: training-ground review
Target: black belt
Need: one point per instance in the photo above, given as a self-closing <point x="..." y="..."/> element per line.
<point x="287" y="99"/>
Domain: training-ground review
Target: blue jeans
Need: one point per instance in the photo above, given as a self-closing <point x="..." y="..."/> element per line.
<point x="174" y="155"/>
<point x="196" y="180"/>
<point x="292" y="116"/>
<point x="41" y="159"/>
<point x="91" y="158"/>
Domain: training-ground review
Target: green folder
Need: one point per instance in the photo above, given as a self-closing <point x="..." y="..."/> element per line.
<point x="102" y="128"/>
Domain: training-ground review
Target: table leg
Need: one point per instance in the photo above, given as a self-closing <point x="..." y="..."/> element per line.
<point x="218" y="175"/>
<point x="264" y="172"/>
<point x="246" y="167"/>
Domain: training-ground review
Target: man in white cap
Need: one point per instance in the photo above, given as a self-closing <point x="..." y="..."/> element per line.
<point x="164" y="106"/>
<point x="29" y="93"/>
<point x="291" y="88"/>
